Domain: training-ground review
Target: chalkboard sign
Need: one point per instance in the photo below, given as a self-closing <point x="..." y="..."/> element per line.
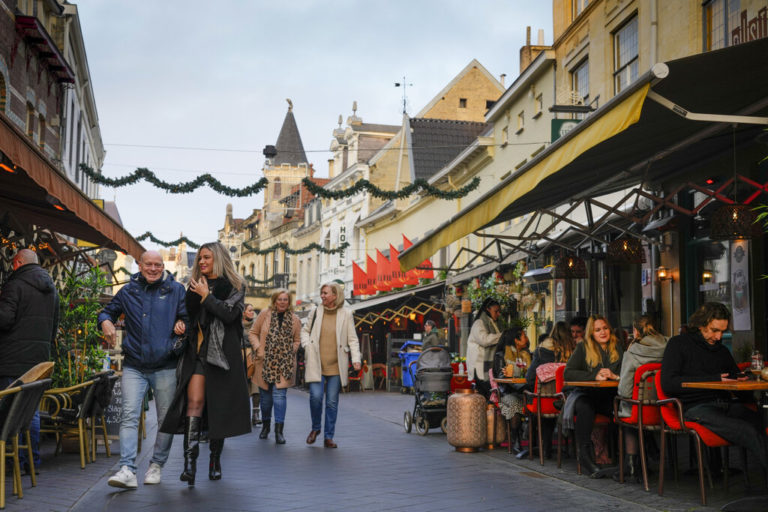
<point x="114" y="411"/>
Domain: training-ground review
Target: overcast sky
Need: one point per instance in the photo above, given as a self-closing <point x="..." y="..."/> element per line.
<point x="215" y="75"/>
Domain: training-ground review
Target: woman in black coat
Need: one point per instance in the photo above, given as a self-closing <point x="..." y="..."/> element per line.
<point x="212" y="389"/>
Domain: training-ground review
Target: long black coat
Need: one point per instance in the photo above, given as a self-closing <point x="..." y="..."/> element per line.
<point x="227" y="405"/>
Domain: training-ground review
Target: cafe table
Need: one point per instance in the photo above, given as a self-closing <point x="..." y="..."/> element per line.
<point x="592" y="383"/>
<point x="750" y="502"/>
<point x="510" y="380"/>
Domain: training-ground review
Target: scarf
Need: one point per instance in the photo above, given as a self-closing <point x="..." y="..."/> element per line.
<point x="216" y="331"/>
<point x="278" y="349"/>
<point x="490" y="325"/>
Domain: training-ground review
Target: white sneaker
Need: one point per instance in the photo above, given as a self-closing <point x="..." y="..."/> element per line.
<point x="153" y="475"/>
<point x="125" y="479"/>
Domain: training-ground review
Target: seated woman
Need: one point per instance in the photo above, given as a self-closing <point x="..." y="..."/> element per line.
<point x="598" y="358"/>
<point x="648" y="347"/>
<point x="556" y="348"/>
<point x="512" y="347"/>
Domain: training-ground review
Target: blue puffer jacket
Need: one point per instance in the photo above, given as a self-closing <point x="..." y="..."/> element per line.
<point x="150" y="312"/>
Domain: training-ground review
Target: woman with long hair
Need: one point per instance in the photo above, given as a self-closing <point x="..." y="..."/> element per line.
<point x="275" y="338"/>
<point x="212" y="389"/>
<point x="597" y="358"/>
<point x="511" y="349"/>
<point x="556" y="348"/>
<point x="481" y="344"/>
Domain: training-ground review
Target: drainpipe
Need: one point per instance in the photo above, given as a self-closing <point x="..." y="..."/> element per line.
<point x="654" y="27"/>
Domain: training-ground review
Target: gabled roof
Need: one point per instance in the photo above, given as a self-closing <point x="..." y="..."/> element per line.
<point x="435" y="142"/>
<point x="290" y="150"/>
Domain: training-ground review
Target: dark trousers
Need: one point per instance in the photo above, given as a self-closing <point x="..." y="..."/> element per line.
<point x="734" y="422"/>
<point x="595" y="401"/>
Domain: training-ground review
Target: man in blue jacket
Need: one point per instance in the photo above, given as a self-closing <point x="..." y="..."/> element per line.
<point x="154" y="308"/>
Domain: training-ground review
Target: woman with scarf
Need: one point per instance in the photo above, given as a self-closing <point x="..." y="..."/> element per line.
<point x="212" y="389"/>
<point x="481" y="344"/>
<point x="275" y="338"/>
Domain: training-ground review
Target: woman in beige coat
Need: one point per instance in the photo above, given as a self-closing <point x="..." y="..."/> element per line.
<point x="275" y="337"/>
<point x="329" y="339"/>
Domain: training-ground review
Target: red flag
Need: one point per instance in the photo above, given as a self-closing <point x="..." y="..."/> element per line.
<point x="383" y="277"/>
<point x="370" y="267"/>
<point x="398" y="276"/>
<point x="359" y="280"/>
<point x="414" y="274"/>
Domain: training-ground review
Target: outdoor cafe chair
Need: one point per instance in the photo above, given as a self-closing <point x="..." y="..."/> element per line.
<point x="65" y="412"/>
<point x="495" y="401"/>
<point x="672" y="422"/>
<point x="542" y="406"/>
<point x="104" y="386"/>
<point x="8" y="398"/>
<point x="644" y="415"/>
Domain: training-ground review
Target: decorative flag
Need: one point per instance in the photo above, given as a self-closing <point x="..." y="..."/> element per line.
<point x="359" y="280"/>
<point x="416" y="272"/>
<point x="398" y="276"/>
<point x="383" y="274"/>
<point x="370" y="268"/>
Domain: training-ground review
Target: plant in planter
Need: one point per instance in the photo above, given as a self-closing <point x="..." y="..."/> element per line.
<point x="506" y="294"/>
<point x="78" y="348"/>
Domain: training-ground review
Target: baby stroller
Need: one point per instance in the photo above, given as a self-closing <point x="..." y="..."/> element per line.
<point x="432" y="385"/>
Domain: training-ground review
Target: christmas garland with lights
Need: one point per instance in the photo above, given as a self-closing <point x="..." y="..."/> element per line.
<point x="420" y="184"/>
<point x="284" y="246"/>
<point x="145" y="174"/>
<point x="176" y="242"/>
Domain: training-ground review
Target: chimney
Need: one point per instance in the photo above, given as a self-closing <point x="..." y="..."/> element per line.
<point x="541" y="37"/>
<point x="502" y="77"/>
<point x="528" y="36"/>
<point x="330" y="168"/>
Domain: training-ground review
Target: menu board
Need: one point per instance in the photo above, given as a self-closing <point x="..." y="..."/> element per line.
<point x="113" y="412"/>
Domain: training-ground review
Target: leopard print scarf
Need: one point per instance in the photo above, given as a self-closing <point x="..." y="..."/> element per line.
<point x="278" y="349"/>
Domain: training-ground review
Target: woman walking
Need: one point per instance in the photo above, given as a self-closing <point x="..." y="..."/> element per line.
<point x="329" y="340"/>
<point x="249" y="315"/>
<point x="212" y="390"/>
<point x="275" y="338"/>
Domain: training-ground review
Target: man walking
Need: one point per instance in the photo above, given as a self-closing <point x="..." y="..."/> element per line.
<point x="29" y="318"/>
<point x="699" y="355"/>
<point x="154" y="309"/>
<point x="431" y="336"/>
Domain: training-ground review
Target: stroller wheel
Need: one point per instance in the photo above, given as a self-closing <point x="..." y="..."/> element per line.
<point x="444" y="425"/>
<point x="407" y="422"/>
<point x="422" y="425"/>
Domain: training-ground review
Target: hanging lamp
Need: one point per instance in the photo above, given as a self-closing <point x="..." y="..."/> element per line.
<point x="733" y="221"/>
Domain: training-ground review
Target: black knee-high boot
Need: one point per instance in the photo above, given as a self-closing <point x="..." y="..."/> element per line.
<point x="255" y="414"/>
<point x="214" y="466"/>
<point x="279" y="438"/>
<point x="191" y="448"/>
<point x="265" y="423"/>
<point x="587" y="461"/>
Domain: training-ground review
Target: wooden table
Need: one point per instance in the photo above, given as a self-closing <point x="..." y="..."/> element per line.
<point x="718" y="385"/>
<point x="592" y="383"/>
<point x="514" y="380"/>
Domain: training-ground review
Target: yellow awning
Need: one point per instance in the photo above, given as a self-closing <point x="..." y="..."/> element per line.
<point x="478" y="215"/>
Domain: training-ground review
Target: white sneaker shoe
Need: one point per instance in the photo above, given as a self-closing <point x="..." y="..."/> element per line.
<point x="153" y="475"/>
<point x="125" y="479"/>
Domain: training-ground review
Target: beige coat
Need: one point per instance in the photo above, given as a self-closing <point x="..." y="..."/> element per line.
<point x="258" y="335"/>
<point x="346" y="340"/>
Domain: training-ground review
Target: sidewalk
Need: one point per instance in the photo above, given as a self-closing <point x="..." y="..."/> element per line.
<point x="376" y="467"/>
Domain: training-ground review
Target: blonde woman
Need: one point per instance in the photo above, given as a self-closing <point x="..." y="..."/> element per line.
<point x="275" y="337"/>
<point x="597" y="358"/>
<point x="329" y="340"/>
<point x="212" y="389"/>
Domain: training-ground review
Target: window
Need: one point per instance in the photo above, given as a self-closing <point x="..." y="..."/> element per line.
<point x="721" y="17"/>
<point x="277" y="189"/>
<point x="520" y="121"/>
<point x="252" y="273"/>
<point x="538" y="105"/>
<point x="580" y="85"/>
<point x="266" y="266"/>
<point x="625" y="55"/>
<point x="41" y="132"/>
<point x="462" y="102"/>
<point x="275" y="261"/>
<point x="489" y="104"/>
<point x="287" y="263"/>
<point x="579" y="6"/>
<point x="505" y="136"/>
<point x="3" y="94"/>
<point x="30" y="120"/>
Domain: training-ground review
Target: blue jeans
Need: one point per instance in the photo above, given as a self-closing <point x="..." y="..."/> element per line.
<point x="135" y="383"/>
<point x="34" y="431"/>
<point x="332" y="384"/>
<point x="272" y="396"/>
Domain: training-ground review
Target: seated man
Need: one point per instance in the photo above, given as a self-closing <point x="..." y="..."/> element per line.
<point x="699" y="356"/>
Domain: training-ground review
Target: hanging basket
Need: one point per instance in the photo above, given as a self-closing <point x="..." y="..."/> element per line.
<point x="733" y="222"/>
<point x="627" y="250"/>
<point x="570" y="267"/>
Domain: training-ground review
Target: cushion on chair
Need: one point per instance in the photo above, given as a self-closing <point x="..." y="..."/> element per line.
<point x="708" y="437"/>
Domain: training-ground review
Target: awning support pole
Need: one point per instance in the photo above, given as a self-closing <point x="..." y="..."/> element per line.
<point x="695" y="116"/>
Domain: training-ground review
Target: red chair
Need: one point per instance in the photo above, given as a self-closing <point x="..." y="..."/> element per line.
<point x="357" y="377"/>
<point x="645" y="414"/>
<point x="672" y="422"/>
<point x="542" y="405"/>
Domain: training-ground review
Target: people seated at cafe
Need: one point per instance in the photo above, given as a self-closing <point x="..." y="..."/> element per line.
<point x="648" y="347"/>
<point x="598" y="358"/>
<point x="481" y="344"/>
<point x="578" y="325"/>
<point x="700" y="356"/>
<point x="557" y="347"/>
<point x="511" y="359"/>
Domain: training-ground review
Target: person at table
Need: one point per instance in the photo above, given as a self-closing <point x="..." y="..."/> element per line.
<point x="555" y="348"/>
<point x="700" y="356"/>
<point x="481" y="344"/>
<point x="275" y="337"/>
<point x="578" y="325"/>
<point x="648" y="347"/>
<point x="598" y="358"/>
<point x="512" y="354"/>
<point x="212" y="388"/>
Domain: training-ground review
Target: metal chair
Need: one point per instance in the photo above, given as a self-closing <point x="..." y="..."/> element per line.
<point x="8" y="407"/>
<point x="65" y="411"/>
<point x="542" y="406"/>
<point x="105" y="384"/>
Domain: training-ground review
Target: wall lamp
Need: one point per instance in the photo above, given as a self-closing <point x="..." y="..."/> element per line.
<point x="55" y="203"/>
<point x="663" y="273"/>
<point x="6" y="164"/>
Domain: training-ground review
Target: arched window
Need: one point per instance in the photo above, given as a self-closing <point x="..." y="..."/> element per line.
<point x="3" y="94"/>
<point x="276" y="190"/>
<point x="252" y="273"/>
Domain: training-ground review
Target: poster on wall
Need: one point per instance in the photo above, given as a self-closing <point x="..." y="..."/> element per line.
<point x="742" y="320"/>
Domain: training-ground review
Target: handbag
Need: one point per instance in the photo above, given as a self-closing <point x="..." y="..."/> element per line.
<point x="250" y="362"/>
<point x="179" y="345"/>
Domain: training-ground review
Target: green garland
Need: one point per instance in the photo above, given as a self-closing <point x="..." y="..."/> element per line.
<point x="389" y="194"/>
<point x="167" y="244"/>
<point x="123" y="270"/>
<point x="252" y="279"/>
<point x="303" y="250"/>
<point x="145" y="174"/>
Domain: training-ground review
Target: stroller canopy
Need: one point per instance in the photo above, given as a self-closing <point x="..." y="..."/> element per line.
<point x="434" y="359"/>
